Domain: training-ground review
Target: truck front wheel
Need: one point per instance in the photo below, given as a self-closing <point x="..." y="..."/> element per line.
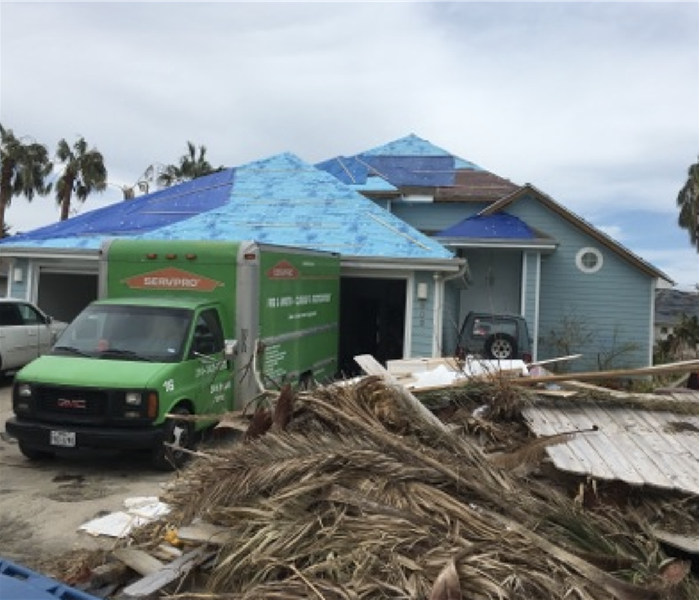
<point x="177" y="433"/>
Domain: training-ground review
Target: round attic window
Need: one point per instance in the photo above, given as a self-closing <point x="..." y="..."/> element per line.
<point x="589" y="260"/>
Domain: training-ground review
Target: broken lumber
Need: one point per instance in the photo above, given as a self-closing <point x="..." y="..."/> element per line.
<point x="138" y="560"/>
<point x="178" y="568"/>
<point x="679" y="367"/>
<point x="372" y="367"/>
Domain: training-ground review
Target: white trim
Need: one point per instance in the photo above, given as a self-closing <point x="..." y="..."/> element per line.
<point x="408" y="322"/>
<point x="437" y="313"/>
<point x="478" y="244"/>
<point x="524" y="285"/>
<point x="53" y="253"/>
<point x="537" y="300"/>
<point x="403" y="265"/>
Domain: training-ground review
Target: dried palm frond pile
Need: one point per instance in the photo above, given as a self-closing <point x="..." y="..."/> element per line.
<point x="349" y="493"/>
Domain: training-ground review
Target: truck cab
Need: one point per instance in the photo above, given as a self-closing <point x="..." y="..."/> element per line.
<point x="117" y="371"/>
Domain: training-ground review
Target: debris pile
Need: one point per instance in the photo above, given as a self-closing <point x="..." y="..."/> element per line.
<point x="350" y="492"/>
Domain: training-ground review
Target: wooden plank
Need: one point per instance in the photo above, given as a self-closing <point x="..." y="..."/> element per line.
<point x="170" y="572"/>
<point x="688" y="543"/>
<point x="138" y="560"/>
<point x="679" y="367"/>
<point x="372" y="367"/>
<point x="557" y="393"/>
<point x="204" y="532"/>
<point x="114" y="572"/>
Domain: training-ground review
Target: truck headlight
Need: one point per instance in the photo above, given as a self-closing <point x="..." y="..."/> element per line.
<point x="133" y="399"/>
<point x="24" y="390"/>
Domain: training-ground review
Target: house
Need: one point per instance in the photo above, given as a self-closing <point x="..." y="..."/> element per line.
<point x="425" y="236"/>
<point x="580" y="290"/>
<point x="393" y="276"/>
<point x="671" y="306"/>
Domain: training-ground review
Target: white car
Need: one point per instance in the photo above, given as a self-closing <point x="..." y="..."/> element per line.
<point x="25" y="333"/>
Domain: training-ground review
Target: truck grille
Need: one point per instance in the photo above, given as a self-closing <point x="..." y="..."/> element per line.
<point x="77" y="402"/>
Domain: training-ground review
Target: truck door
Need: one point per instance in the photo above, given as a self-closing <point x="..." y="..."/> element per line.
<point x="214" y="393"/>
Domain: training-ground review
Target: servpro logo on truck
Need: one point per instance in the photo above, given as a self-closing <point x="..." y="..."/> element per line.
<point x="172" y="279"/>
<point x="283" y="270"/>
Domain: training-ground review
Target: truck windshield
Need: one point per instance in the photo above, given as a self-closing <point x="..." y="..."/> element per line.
<point x="127" y="332"/>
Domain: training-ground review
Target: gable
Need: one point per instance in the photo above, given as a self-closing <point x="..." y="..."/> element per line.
<point x="528" y="191"/>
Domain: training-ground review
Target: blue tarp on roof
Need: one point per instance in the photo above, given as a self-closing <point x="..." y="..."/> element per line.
<point x="349" y="170"/>
<point x="283" y="200"/>
<point x="498" y="225"/>
<point x="413" y="145"/>
<point x="408" y="161"/>
<point x="142" y="214"/>
<point x="280" y="200"/>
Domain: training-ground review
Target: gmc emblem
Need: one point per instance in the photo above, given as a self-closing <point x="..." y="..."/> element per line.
<point x="65" y="403"/>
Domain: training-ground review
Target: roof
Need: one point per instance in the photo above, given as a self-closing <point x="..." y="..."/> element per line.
<point x="476" y="186"/>
<point x="281" y="200"/>
<point x="499" y="229"/>
<point x="529" y="190"/>
<point x="413" y="162"/>
<point x="670" y="305"/>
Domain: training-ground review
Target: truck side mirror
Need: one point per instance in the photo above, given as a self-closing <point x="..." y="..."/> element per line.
<point x="231" y="349"/>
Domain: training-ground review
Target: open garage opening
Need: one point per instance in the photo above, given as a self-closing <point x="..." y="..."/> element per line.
<point x="372" y="320"/>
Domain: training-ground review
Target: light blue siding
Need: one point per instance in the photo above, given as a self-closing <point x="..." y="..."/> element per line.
<point x="432" y="217"/>
<point x="603" y="315"/>
<point x="19" y="289"/>
<point x="422" y="320"/>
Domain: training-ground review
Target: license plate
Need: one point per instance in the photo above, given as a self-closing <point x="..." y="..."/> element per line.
<point x="65" y="439"/>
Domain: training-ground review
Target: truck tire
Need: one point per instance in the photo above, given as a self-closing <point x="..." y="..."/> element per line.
<point x="34" y="453"/>
<point x="500" y="347"/>
<point x="181" y="433"/>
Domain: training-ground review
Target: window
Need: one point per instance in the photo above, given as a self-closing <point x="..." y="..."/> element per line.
<point x="208" y="334"/>
<point x="29" y="315"/>
<point x="10" y="315"/>
<point x="589" y="260"/>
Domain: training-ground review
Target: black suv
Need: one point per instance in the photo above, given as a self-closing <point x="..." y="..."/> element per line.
<point x="494" y="336"/>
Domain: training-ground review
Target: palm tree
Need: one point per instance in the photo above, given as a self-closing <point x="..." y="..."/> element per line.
<point x="191" y="166"/>
<point x="687" y="332"/>
<point x="688" y="201"/>
<point x="83" y="173"/>
<point x="24" y="168"/>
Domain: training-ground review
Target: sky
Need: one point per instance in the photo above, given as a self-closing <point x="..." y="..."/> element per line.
<point x="594" y="103"/>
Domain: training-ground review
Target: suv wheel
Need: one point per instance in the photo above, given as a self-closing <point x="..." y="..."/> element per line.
<point x="500" y="347"/>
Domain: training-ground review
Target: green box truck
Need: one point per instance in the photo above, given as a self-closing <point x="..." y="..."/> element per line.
<point x="181" y="328"/>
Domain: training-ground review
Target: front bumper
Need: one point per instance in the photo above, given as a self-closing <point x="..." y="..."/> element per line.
<point x="38" y="435"/>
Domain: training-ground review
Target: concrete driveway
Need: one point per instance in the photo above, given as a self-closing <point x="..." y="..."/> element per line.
<point x="42" y="504"/>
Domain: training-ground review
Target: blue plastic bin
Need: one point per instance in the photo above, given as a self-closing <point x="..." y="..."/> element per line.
<point x="20" y="583"/>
